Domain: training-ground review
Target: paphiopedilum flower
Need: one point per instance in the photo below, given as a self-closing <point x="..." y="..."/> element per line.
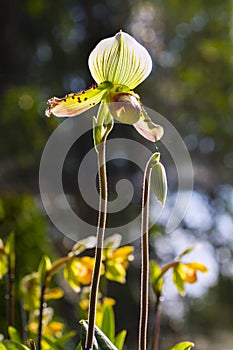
<point x="118" y="65"/>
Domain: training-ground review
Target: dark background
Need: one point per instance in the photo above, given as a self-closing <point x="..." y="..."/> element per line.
<point x="44" y="52"/>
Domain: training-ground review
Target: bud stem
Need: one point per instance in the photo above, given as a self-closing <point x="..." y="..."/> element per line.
<point x="144" y="260"/>
<point x="103" y="198"/>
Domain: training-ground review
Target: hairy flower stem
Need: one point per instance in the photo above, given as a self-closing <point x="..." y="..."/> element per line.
<point x="103" y="198"/>
<point x="144" y="260"/>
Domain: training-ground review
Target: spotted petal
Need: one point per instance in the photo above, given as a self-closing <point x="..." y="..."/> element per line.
<point x="149" y="130"/>
<point x="120" y="60"/>
<point x="77" y="103"/>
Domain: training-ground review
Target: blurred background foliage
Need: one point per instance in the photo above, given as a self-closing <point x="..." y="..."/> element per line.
<point x="44" y="52"/>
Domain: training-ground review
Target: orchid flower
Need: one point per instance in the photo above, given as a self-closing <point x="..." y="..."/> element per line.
<point x="118" y="65"/>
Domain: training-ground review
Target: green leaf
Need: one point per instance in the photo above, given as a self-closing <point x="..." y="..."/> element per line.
<point x="30" y="289"/>
<point x="13" y="334"/>
<point x="53" y="343"/>
<point x="103" y="341"/>
<point x="186" y="251"/>
<point x="10" y="250"/>
<point x="84" y="334"/>
<point x="156" y="278"/>
<point x="13" y="345"/>
<point x="120" y="339"/>
<point x="2" y="347"/>
<point x="3" y="264"/>
<point x="44" y="266"/>
<point x="178" y="281"/>
<point x="183" y="346"/>
<point x="66" y="337"/>
<point x="108" y="322"/>
<point x="2" y="210"/>
<point x="78" y="347"/>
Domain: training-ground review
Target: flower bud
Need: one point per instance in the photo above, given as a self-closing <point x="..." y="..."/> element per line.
<point x="125" y="107"/>
<point x="159" y="182"/>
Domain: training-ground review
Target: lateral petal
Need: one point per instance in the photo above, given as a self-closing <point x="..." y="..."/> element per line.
<point x="76" y="103"/>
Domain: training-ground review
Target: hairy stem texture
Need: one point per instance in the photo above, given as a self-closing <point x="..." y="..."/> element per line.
<point x="99" y="244"/>
<point x="144" y="260"/>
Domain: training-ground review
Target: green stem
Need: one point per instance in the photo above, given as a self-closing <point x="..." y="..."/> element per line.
<point x="164" y="269"/>
<point x="144" y="260"/>
<point x="57" y="265"/>
<point x="11" y="291"/>
<point x="157" y="324"/>
<point x="103" y="198"/>
<point x="41" y="311"/>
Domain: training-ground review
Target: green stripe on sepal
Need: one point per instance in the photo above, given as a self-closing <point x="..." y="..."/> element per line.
<point x="101" y="342"/>
<point x="158" y="178"/>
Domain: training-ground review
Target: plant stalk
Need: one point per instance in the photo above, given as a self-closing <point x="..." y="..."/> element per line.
<point x="11" y="291"/>
<point x="57" y="265"/>
<point x="144" y="260"/>
<point x="42" y="301"/>
<point x="103" y="198"/>
<point x="157" y="325"/>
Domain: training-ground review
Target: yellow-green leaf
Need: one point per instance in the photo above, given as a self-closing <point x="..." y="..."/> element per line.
<point x="3" y="264"/>
<point x="108" y="322"/>
<point x="30" y="289"/>
<point x="10" y="250"/>
<point x="156" y="278"/>
<point x="44" y="266"/>
<point x="178" y="280"/>
<point x="120" y="339"/>
<point x="187" y="345"/>
<point x="13" y="334"/>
